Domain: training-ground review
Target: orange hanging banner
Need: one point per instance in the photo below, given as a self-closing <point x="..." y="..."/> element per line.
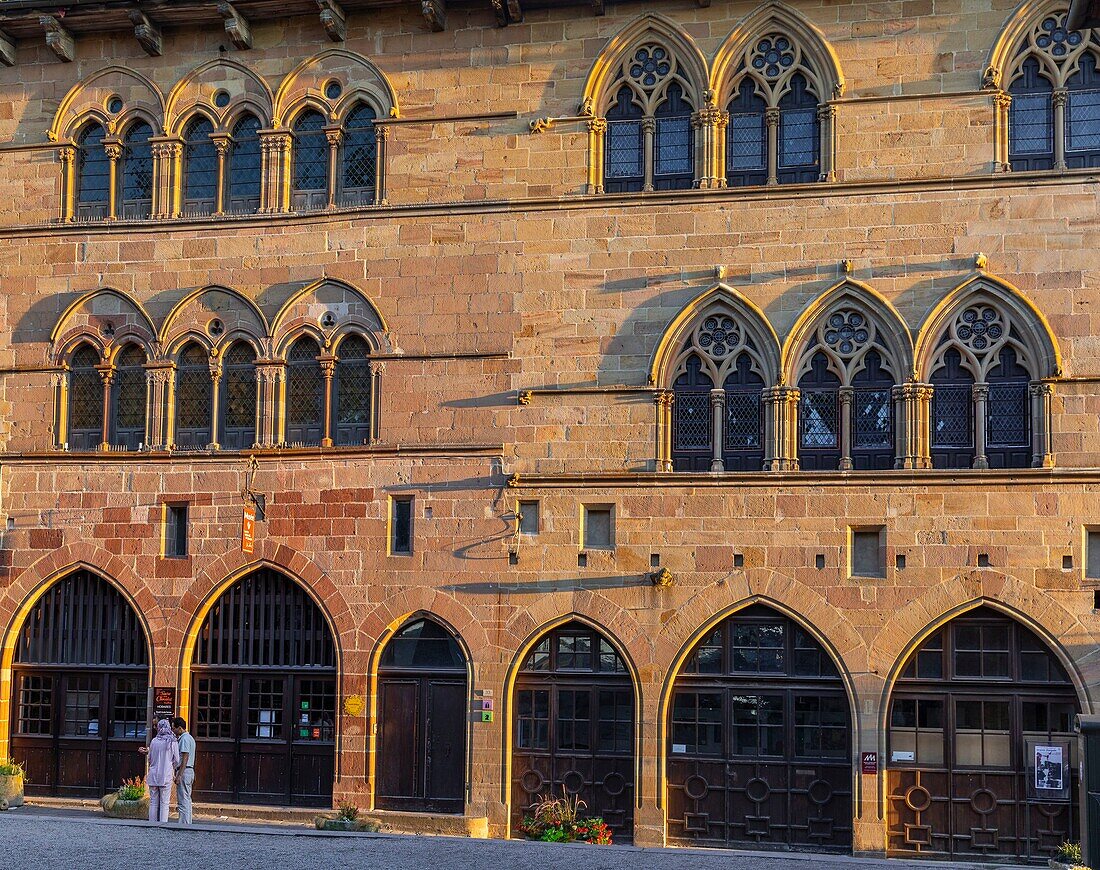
<point x="248" y="530"/>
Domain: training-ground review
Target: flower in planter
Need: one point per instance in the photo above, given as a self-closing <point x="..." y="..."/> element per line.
<point x="557" y="820"/>
<point x="11" y="767"/>
<point x="131" y="789"/>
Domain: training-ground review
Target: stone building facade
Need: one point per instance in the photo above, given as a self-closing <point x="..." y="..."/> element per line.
<point x="699" y="402"/>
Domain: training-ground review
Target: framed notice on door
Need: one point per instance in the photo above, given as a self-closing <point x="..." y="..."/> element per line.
<point x="1049" y="769"/>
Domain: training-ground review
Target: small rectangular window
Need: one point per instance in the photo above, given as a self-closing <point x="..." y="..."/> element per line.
<point x="1092" y="554"/>
<point x="528" y="517"/>
<point x="598" y="528"/>
<point x="175" y="531"/>
<point x="401" y="522"/>
<point x="868" y="552"/>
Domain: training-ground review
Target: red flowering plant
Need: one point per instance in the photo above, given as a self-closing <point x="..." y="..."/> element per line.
<point x="559" y="820"/>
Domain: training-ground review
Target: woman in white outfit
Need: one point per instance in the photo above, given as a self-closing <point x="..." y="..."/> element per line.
<point x="164" y="758"/>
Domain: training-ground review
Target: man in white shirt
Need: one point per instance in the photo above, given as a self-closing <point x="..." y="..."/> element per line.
<point x="185" y="775"/>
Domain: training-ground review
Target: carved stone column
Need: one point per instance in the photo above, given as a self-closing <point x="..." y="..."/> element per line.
<point x="912" y="435"/>
<point x="662" y="403"/>
<point x="717" y="427"/>
<point x="381" y="140"/>
<point x="269" y="405"/>
<point x="61" y="407"/>
<point x="67" y="155"/>
<point x="845" y="395"/>
<point x="781" y="428"/>
<point x="1042" y="421"/>
<point x="709" y="122"/>
<point x="159" y="379"/>
<point x="275" y="154"/>
<point x="223" y="145"/>
<point x="828" y="146"/>
<point x="771" y="120"/>
<point x="597" y="132"/>
<point x="649" y="134"/>
<point x="113" y="149"/>
<point x="981" y="401"/>
<point x="1002" y="102"/>
<point x="215" y="402"/>
<point x="333" y="135"/>
<point x="107" y="373"/>
<point x="167" y="177"/>
<point x="1061" y="97"/>
<point x="328" y="371"/>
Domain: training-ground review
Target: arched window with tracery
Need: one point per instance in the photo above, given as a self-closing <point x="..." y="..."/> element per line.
<point x="238" y="398"/>
<point x="1054" y="82"/>
<point x="93" y="174"/>
<point x="200" y="168"/>
<point x="128" y="392"/>
<point x="718" y="384"/>
<point x="85" y="399"/>
<point x="136" y="175"/>
<point x="194" y="397"/>
<point x="305" y="393"/>
<point x="650" y="141"/>
<point x="309" y="177"/>
<point x="360" y="163"/>
<point x="351" y="406"/>
<point x="846" y="408"/>
<point x="982" y="377"/>
<point x="773" y="135"/>
<point x="244" y="166"/>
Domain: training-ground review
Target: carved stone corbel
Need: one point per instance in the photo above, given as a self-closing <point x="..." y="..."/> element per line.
<point x="58" y="39"/>
<point x="500" y="12"/>
<point x="435" y="13"/>
<point x="333" y="19"/>
<point x="236" y="25"/>
<point x="146" y="33"/>
<point x="515" y="11"/>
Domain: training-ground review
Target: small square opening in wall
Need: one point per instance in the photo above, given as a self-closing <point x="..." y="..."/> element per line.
<point x="899" y="562"/>
<point x="983" y="560"/>
<point x="738" y="560"/>
<point x="819" y="561"/>
<point x="175" y="530"/>
<point x="1067" y="563"/>
<point x="401" y="525"/>
<point x="1096" y="599"/>
<point x="1092" y="553"/>
<point x="598" y="528"/>
<point x="528" y="517"/>
<point x="513" y="558"/>
<point x="654" y="560"/>
<point x="582" y="560"/>
<point x="867" y="551"/>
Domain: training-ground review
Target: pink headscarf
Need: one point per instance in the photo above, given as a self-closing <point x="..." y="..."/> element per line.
<point x="164" y="756"/>
<point x="164" y="731"/>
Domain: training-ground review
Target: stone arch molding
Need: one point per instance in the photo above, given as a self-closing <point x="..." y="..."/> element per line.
<point x="359" y="80"/>
<point x="196" y="92"/>
<point x="88" y="101"/>
<point x="216" y="317"/>
<point x="1019" y="40"/>
<point x="328" y="309"/>
<point x="107" y="319"/>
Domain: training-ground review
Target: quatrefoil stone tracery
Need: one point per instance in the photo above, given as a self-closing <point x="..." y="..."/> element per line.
<point x="773" y="55"/>
<point x="650" y="65"/>
<point x="846" y="332"/>
<point x="979" y="327"/>
<point x="719" y="335"/>
<point x="1054" y="38"/>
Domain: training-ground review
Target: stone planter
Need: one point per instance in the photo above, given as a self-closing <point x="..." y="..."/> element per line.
<point x="120" y="809"/>
<point x="323" y="823"/>
<point x="1058" y="865"/>
<point x="11" y="791"/>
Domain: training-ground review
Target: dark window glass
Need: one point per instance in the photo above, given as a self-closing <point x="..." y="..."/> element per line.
<point x="360" y="156"/>
<point x="623" y="167"/>
<point x="194" y="396"/>
<point x="310" y="162"/>
<point x="1083" y="115"/>
<point x="1092" y="556"/>
<point x="868" y="553"/>
<point x="264" y="709"/>
<point x="85" y="400"/>
<point x="746" y="138"/>
<point x="532" y="719"/>
<point x="743" y="438"/>
<point x="238" y="429"/>
<point x="598" y="528"/>
<point x="200" y="168"/>
<point x="314" y="713"/>
<point x="1008" y="421"/>
<point x="175" y="530"/>
<point x="304" y="393"/>
<point x="819" y="417"/>
<point x="137" y="172"/>
<point x="952" y="413"/>
<point x="83" y="699"/>
<point x="35" y="704"/>
<point x="245" y="166"/>
<point x="820" y="726"/>
<point x="758" y="647"/>
<point x="697" y="723"/>
<point x="1031" y="120"/>
<point x="799" y="136"/>
<point x="93" y="174"/>
<point x="691" y="429"/>
<point x="820" y="425"/>
<point x="401" y="525"/>
<point x="673" y="144"/>
<point x="758" y="725"/>
<point x="614" y="720"/>
<point x="353" y="391"/>
<point x="214" y="708"/>
<point x="574" y="719"/>
<point x="575" y="652"/>
<point x="528" y="517"/>
<point x="128" y="707"/>
<point x="423" y="644"/>
<point x="128" y="398"/>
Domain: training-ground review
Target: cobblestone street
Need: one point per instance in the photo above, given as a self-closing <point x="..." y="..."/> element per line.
<point x="54" y="841"/>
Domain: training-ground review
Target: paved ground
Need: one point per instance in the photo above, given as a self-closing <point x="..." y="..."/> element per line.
<point x="38" y="840"/>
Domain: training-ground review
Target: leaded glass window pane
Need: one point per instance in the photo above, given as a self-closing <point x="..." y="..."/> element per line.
<point x="353" y="386"/>
<point x="310" y="173"/>
<point x="244" y="166"/>
<point x="85" y="400"/>
<point x="623" y="150"/>
<point x="200" y="168"/>
<point x="194" y="395"/>
<point x="238" y="430"/>
<point x="1007" y="415"/>
<point x="798" y="138"/>
<point x="304" y="393"/>
<point x="742" y="420"/>
<point x="873" y="421"/>
<point x="818" y="410"/>
<point x="128" y="398"/>
<point x="746" y="148"/>
<point x="692" y="421"/>
<point x="93" y="174"/>
<point x="137" y="172"/>
<point x="1083" y="120"/>
<point x="673" y="146"/>
<point x="360" y="155"/>
<point x="1031" y="124"/>
<point x="951" y="416"/>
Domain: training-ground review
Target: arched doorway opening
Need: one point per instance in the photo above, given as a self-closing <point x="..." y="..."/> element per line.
<point x="760" y="734"/>
<point x="573" y="727"/>
<point x="973" y="707"/>
<point x="80" y="678"/>
<point x="422" y="704"/>
<point x="264" y="696"/>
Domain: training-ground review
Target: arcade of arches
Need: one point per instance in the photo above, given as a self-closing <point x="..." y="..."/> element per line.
<point x="758" y="730"/>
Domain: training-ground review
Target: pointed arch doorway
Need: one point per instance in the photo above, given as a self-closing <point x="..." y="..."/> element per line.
<point x="422" y="702"/>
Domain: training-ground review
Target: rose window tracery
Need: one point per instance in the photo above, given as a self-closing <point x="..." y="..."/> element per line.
<point x="979" y="328"/>
<point x="719" y="335"/>
<point x="1052" y="36"/>
<point x="774" y="54"/>
<point x="650" y="65"/>
<point x="846" y="332"/>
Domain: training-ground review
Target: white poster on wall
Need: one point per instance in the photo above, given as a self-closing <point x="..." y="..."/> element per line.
<point x="1050" y="768"/>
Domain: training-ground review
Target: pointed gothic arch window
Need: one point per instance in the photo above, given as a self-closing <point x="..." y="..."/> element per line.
<point x="351" y="405"/>
<point x="136" y="175"/>
<point x="200" y="168"/>
<point x="360" y="156"/>
<point x="128" y="399"/>
<point x="717" y="397"/>
<point x="650" y="140"/>
<point x="1054" y="116"/>
<point x="85" y="399"/>
<point x="846" y="408"/>
<point x="238" y="398"/>
<point x="245" y="164"/>
<point x="799" y="134"/>
<point x="305" y="396"/>
<point x="746" y="138"/>
<point x="309" y="180"/>
<point x="93" y="174"/>
<point x="194" y="397"/>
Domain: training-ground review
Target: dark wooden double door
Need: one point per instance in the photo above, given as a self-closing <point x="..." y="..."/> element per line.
<point x="265" y="737"/>
<point x="421" y="762"/>
<point x="78" y="731"/>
